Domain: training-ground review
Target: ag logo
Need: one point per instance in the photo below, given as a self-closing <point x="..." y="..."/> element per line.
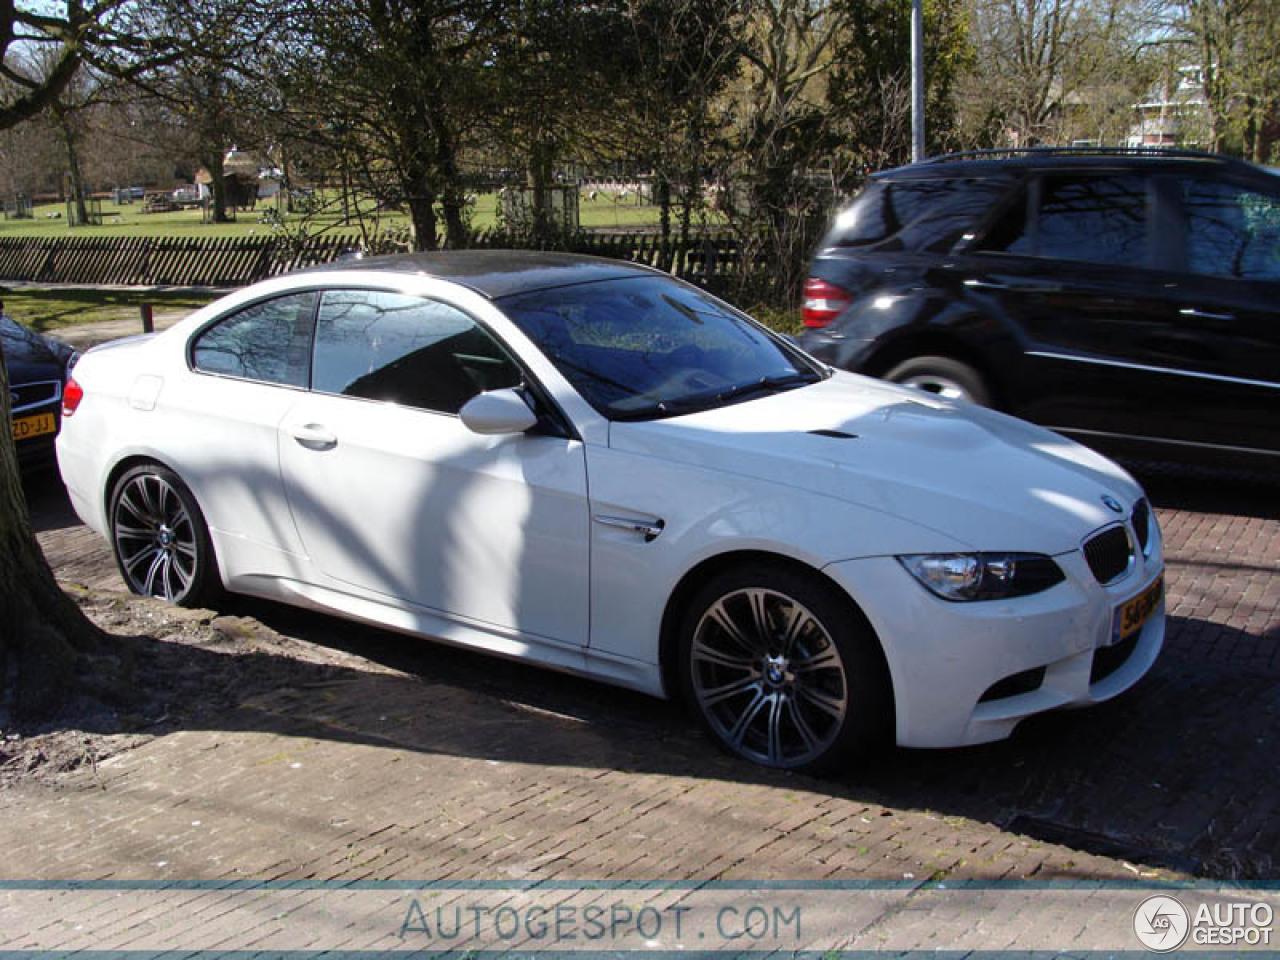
<point x="1161" y="923"/>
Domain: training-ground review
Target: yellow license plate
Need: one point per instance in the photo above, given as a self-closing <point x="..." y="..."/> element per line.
<point x="24" y="428"/>
<point x="1132" y="614"/>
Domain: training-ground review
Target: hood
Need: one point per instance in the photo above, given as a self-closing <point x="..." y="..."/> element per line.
<point x="971" y="474"/>
<point x="30" y="356"/>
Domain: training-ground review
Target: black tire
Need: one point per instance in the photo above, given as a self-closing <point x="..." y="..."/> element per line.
<point x="944" y="377"/>
<point x="756" y="697"/>
<point x="159" y="538"/>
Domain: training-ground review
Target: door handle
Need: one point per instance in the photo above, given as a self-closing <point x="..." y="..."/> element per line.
<point x="313" y="436"/>
<point x="1195" y="314"/>
<point x="1016" y="286"/>
<point x="649" y="529"/>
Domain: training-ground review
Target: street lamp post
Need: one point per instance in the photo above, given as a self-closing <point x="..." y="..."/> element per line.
<point x="917" y="80"/>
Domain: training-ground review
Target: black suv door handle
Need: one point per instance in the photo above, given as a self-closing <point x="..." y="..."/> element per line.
<point x="1016" y="286"/>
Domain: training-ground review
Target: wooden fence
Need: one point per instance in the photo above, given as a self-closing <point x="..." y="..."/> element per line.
<point x="161" y="261"/>
<point x="714" y="261"/>
<point x="719" y="262"/>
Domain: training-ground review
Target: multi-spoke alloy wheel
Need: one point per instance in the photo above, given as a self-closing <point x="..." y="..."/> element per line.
<point x="778" y="675"/>
<point x="161" y="545"/>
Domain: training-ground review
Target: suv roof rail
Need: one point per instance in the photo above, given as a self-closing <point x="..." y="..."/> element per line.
<point x="998" y="152"/>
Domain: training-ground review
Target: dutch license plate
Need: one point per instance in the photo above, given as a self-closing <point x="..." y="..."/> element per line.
<point x="1133" y="613"/>
<point x="24" y="428"/>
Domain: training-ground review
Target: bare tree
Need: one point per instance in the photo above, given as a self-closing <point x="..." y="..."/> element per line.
<point x="43" y="635"/>
<point x="1235" y="45"/>
<point x="1040" y="63"/>
<point x="687" y="52"/>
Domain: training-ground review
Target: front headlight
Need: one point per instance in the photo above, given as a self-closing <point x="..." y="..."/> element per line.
<point x="983" y="576"/>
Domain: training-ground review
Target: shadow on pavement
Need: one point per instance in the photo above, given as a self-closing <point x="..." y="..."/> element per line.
<point x="1179" y="772"/>
<point x="1173" y="774"/>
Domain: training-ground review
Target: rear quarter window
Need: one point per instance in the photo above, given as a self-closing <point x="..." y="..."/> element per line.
<point x="269" y="341"/>
<point x="914" y="214"/>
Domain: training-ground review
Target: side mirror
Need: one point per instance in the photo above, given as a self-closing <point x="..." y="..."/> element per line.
<point x="497" y="412"/>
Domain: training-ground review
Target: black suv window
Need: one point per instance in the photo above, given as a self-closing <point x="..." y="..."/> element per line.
<point x="914" y="214"/>
<point x="408" y="350"/>
<point x="268" y="341"/>
<point x="1231" y="231"/>
<point x="1089" y="218"/>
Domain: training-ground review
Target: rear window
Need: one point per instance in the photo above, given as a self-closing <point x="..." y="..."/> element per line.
<point x="914" y="214"/>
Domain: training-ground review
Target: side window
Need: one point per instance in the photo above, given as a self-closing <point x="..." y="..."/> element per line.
<point x="914" y="214"/>
<point x="1231" y="232"/>
<point x="406" y="350"/>
<point x="1094" y="219"/>
<point x="269" y="341"/>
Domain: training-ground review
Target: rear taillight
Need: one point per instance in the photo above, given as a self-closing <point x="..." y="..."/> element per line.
<point x="823" y="302"/>
<point x="72" y="394"/>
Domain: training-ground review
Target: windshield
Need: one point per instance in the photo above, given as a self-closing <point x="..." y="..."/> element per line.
<point x="648" y="347"/>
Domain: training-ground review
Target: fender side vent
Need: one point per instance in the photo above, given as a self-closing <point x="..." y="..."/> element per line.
<point x="834" y="434"/>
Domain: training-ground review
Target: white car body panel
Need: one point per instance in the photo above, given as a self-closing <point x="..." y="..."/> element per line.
<point x="492" y="529"/>
<point x="519" y="545"/>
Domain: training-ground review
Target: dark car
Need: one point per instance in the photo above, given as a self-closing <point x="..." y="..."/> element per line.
<point x="1128" y="298"/>
<point x="38" y="368"/>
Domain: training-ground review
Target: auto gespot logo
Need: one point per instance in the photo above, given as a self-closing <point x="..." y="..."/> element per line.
<point x="1162" y="924"/>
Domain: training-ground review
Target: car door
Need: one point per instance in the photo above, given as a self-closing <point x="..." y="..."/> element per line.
<point x="220" y="424"/>
<point x="1224" y="305"/>
<point x="1070" y="266"/>
<point x="392" y="493"/>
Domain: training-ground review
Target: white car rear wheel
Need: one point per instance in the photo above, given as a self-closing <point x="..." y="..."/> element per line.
<point x="159" y="537"/>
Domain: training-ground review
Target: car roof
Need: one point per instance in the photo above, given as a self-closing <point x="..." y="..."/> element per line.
<point x="499" y="273"/>
<point x="979" y="163"/>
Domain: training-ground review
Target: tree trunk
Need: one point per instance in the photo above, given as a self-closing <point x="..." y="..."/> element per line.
<point x="73" y="165"/>
<point x="541" y="162"/>
<point x="452" y="199"/>
<point x="662" y="197"/>
<point x="42" y="631"/>
<point x="422" y="215"/>
<point x="212" y="160"/>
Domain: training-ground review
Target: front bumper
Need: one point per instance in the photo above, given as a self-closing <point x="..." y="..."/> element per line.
<point x="946" y="658"/>
<point x="37" y="454"/>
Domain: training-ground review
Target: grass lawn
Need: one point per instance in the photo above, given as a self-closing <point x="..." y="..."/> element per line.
<point x="49" y="309"/>
<point x="127" y="220"/>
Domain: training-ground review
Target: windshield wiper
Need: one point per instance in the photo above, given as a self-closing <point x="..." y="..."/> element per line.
<point x="770" y="384"/>
<point x="704" y="401"/>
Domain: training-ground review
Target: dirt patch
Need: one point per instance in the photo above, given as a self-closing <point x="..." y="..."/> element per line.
<point x="165" y="668"/>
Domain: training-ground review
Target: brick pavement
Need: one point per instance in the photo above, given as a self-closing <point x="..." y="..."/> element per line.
<point x="413" y="762"/>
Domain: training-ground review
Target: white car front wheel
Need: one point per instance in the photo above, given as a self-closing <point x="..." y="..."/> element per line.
<point x="782" y="671"/>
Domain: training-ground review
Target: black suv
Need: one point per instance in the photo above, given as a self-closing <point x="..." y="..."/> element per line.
<point x="1128" y="298"/>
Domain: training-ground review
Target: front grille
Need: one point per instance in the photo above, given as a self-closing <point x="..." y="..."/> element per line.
<point x="1142" y="524"/>
<point x="26" y="396"/>
<point x="1109" y="554"/>
<point x="1107" y="660"/>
